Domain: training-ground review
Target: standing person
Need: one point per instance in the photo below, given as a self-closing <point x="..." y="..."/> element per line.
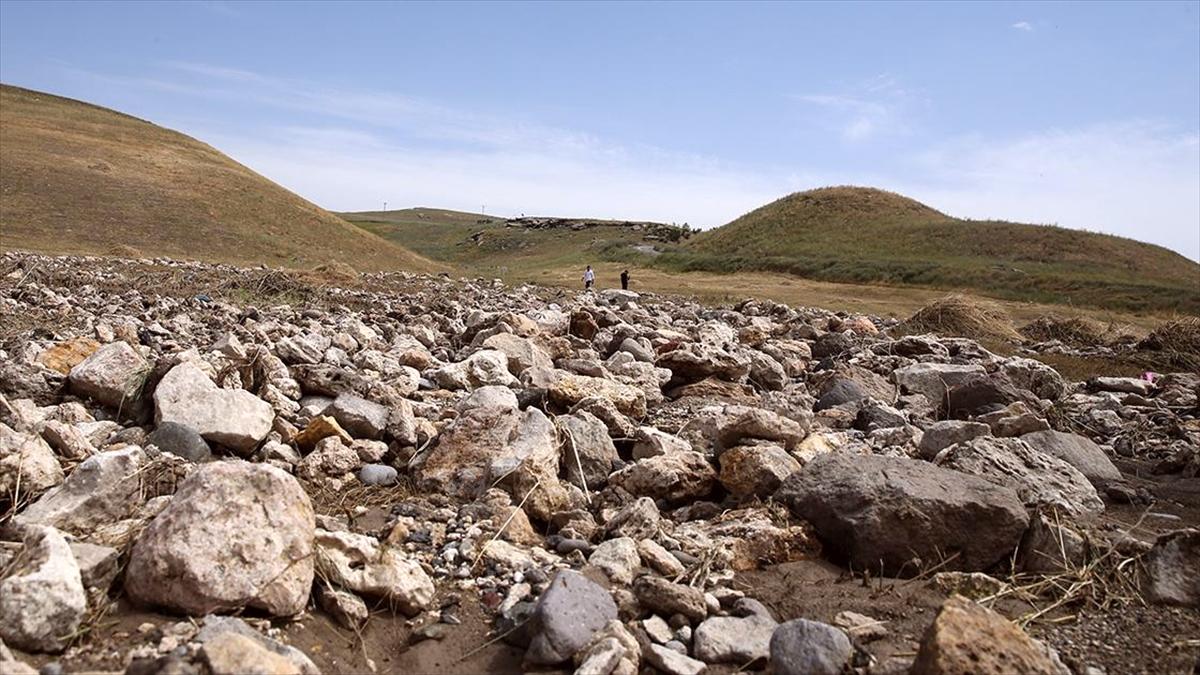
<point x="625" y="280"/>
<point x="589" y="278"/>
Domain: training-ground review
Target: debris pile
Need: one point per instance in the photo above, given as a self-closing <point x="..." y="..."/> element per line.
<point x="595" y="471"/>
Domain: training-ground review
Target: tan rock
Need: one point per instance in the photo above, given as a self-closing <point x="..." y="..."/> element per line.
<point x="967" y="638"/>
<point x="569" y="389"/>
<point x="65" y="355"/>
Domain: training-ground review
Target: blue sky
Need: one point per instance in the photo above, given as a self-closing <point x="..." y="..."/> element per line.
<point x="1084" y="115"/>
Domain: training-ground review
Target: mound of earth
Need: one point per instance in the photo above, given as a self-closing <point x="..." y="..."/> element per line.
<point x="863" y="235"/>
<point x="79" y="178"/>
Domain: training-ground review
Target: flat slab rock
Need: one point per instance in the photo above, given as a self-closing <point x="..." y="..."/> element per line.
<point x="234" y="418"/>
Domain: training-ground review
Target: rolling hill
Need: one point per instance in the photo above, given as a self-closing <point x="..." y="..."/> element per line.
<point x="847" y="235"/>
<point x="522" y="249"/>
<point x="78" y="178"/>
<point x="865" y="235"/>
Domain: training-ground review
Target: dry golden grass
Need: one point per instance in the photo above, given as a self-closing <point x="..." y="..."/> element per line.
<point x="82" y="179"/>
<point x="962" y="316"/>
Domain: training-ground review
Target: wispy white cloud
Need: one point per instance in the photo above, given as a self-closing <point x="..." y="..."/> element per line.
<point x="1023" y="26"/>
<point x="870" y="109"/>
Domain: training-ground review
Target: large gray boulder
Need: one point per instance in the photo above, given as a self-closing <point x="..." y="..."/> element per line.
<point x="102" y="489"/>
<point x="904" y="515"/>
<point x="235" y="535"/>
<point x="113" y="375"/>
<point x="570" y="611"/>
<point x="234" y="418"/>
<point x="42" y="600"/>
<point x="1039" y="479"/>
<point x="1078" y="451"/>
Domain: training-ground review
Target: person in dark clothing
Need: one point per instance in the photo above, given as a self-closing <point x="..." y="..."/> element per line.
<point x="625" y="280"/>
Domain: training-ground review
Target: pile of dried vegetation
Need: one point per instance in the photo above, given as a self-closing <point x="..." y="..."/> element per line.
<point x="1177" y="341"/>
<point x="963" y="316"/>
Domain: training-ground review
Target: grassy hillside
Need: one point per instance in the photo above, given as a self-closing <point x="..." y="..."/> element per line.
<point x="865" y="235"/>
<point x="487" y="246"/>
<point x="77" y="178"/>
<point x="484" y="246"/>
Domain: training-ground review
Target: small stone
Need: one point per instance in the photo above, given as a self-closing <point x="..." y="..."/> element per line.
<point x="1173" y="568"/>
<point x="968" y="638"/>
<point x="235" y="654"/>
<point x="430" y="631"/>
<point x="618" y="558"/>
<point x="861" y="627"/>
<point x="234" y="418"/>
<point x="662" y="596"/>
<point x="657" y="629"/>
<point x="359" y="417"/>
<point x="740" y="640"/>
<point x="182" y="441"/>
<point x="377" y="474"/>
<point x="320" y="428"/>
<point x="659" y="559"/>
<point x="672" y="662"/>
<point x="346" y="608"/>
<point x="113" y="375"/>
<point x="803" y="647"/>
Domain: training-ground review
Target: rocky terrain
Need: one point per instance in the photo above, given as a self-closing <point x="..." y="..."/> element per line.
<point x="209" y="469"/>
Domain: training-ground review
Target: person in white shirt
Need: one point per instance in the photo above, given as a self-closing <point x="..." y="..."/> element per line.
<point x="589" y="278"/>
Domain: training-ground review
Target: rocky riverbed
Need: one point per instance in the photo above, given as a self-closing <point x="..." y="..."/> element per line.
<point x="208" y="469"/>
